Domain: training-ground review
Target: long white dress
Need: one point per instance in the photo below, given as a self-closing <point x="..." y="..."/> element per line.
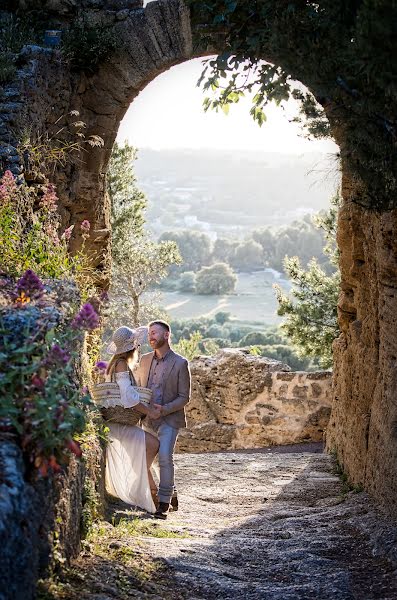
<point x="126" y="468"/>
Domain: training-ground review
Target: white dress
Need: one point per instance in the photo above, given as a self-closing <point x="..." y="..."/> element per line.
<point x="126" y="468"/>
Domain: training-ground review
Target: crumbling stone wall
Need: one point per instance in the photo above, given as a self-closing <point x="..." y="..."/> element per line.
<point x="243" y="401"/>
<point x="362" y="428"/>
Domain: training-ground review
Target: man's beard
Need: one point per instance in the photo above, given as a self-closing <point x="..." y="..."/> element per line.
<point x="159" y="344"/>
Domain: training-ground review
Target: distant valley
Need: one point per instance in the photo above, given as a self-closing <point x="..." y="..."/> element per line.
<point x="230" y="193"/>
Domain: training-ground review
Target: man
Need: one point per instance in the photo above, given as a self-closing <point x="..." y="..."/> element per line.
<point x="167" y="375"/>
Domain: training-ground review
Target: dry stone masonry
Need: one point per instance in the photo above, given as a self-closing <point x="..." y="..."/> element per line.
<point x="243" y="401"/>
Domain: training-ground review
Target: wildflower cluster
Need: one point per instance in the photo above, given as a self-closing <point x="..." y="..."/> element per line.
<point x="86" y="319"/>
<point x="85" y="227"/>
<point x="42" y="402"/>
<point x="38" y="245"/>
<point x="29" y="286"/>
<point x="49" y="201"/>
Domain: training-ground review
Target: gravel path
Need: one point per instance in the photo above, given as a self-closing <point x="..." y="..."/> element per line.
<point x="271" y="524"/>
<point x="275" y="525"/>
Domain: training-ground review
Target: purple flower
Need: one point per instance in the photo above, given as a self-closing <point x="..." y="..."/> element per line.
<point x="86" y="318"/>
<point x="37" y="382"/>
<point x="30" y="285"/>
<point x="85" y="226"/>
<point x="57" y="356"/>
<point x="101" y="365"/>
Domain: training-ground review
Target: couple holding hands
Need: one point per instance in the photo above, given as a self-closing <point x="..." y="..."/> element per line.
<point x="131" y="448"/>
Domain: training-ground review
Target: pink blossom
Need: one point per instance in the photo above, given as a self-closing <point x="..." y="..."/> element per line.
<point x="50" y="200"/>
<point x="52" y="233"/>
<point x="85" y="226"/>
<point x="67" y="234"/>
<point x="8" y="186"/>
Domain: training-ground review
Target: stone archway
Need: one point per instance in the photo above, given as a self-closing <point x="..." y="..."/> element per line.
<point x="363" y="422"/>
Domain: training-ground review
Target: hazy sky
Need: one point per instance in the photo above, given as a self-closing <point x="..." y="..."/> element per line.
<point x="168" y="113"/>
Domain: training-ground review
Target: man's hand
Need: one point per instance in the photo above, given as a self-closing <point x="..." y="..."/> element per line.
<point x="155" y="411"/>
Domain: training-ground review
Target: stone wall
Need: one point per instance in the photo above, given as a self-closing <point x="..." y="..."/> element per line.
<point x="363" y="425"/>
<point x="30" y="514"/>
<point x="243" y="401"/>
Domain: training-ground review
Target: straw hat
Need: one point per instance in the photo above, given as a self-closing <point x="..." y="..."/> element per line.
<point x="125" y="339"/>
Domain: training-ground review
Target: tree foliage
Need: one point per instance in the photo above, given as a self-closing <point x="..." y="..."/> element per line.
<point x="127" y="202"/>
<point x="216" y="279"/>
<point x="139" y="262"/>
<point x="247" y="255"/>
<point x="195" y="346"/>
<point x="342" y="50"/>
<point x="311" y="310"/>
<point x="194" y="246"/>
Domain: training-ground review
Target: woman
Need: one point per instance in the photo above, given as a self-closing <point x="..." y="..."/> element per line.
<point x="130" y="451"/>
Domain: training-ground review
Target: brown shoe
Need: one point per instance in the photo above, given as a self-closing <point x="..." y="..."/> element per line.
<point x="162" y="510"/>
<point x="174" y="503"/>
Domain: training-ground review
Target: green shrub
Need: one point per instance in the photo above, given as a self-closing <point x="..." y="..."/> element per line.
<point x="216" y="279"/>
<point x="283" y="353"/>
<point x="7" y="67"/>
<point x="270" y="338"/>
<point x="187" y="282"/>
<point x="221" y="317"/>
<point x="215" y="331"/>
<point x="87" y="45"/>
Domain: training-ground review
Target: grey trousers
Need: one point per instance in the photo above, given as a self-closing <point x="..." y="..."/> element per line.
<point x="167" y="437"/>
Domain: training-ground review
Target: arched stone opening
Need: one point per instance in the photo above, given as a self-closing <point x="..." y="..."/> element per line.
<point x="363" y="426"/>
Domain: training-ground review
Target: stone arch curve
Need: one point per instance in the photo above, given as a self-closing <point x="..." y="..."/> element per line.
<point x="152" y="39"/>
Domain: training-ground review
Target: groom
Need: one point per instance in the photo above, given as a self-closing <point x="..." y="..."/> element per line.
<point x="167" y="375"/>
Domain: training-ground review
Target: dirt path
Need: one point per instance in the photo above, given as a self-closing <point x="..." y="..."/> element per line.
<point x="252" y="525"/>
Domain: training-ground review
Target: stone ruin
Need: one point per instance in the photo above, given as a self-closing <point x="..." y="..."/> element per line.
<point x="362" y="425"/>
<point x="243" y="401"/>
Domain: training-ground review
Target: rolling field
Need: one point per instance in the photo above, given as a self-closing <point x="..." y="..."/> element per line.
<point x="253" y="300"/>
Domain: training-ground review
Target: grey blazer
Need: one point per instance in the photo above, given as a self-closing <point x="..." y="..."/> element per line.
<point x="176" y="386"/>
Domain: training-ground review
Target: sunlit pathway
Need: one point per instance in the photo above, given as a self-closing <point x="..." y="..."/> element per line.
<point x="270" y="525"/>
<point x="277" y="526"/>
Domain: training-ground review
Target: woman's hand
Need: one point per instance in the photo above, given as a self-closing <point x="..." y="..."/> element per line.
<point x="155" y="411"/>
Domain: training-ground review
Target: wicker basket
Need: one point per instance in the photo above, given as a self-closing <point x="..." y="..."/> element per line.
<point x="121" y="415"/>
<point x="110" y="391"/>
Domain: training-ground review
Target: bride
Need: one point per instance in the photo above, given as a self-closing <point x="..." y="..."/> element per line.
<point x="131" y="450"/>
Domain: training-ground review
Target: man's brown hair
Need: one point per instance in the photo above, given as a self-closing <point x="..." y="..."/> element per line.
<point x="162" y="324"/>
